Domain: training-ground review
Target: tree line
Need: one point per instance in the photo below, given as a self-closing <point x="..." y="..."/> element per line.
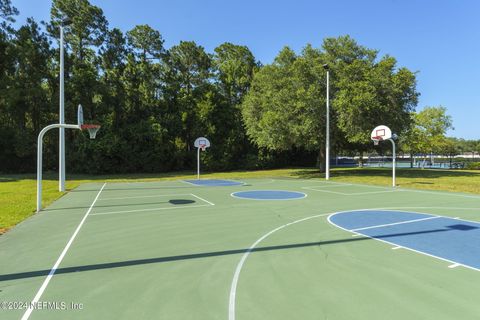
<point x="152" y="101"/>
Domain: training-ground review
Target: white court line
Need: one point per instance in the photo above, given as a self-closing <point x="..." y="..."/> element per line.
<point x="153" y="196"/>
<point x="442" y="208"/>
<point x="189" y="183"/>
<point x="233" y="287"/>
<point x="236" y="276"/>
<point x="401" y="189"/>
<point x="28" y="312"/>
<point x="454" y="265"/>
<point x="351" y="193"/>
<point x="400" y="208"/>
<point x="312" y="181"/>
<point x="327" y="186"/>
<point x="212" y="204"/>
<point x="239" y="183"/>
<point x="396" y="248"/>
<point x="394" y="244"/>
<point x="254" y="182"/>
<point x="395" y="223"/>
<point x="373" y="192"/>
<point x="259" y="199"/>
<point x="326" y="191"/>
<point x="150" y="209"/>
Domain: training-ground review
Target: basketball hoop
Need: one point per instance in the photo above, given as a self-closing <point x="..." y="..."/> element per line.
<point x="376" y="140"/>
<point x="201" y="143"/>
<point x="383" y="133"/>
<point x="92" y="129"/>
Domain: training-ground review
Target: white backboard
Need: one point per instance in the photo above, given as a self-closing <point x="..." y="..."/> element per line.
<point x="201" y="141"/>
<point x="381" y="131"/>
<point x="80" y="115"/>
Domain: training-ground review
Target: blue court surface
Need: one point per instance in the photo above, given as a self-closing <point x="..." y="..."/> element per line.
<point x="214" y="183"/>
<point x="269" y="195"/>
<point x="454" y="240"/>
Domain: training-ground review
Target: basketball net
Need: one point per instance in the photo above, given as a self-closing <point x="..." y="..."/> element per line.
<point x="92" y="129"/>
<point x="203" y="147"/>
<point x="376" y="140"/>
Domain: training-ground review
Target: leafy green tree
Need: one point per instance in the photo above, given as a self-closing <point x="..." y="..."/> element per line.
<point x="147" y="41"/>
<point x="113" y="55"/>
<point x="33" y="55"/>
<point x="427" y="134"/>
<point x="7" y="12"/>
<point x="85" y="30"/>
<point x="235" y="66"/>
<point x="186" y="76"/>
<point x="369" y="92"/>
<point x="26" y="98"/>
<point x="86" y="26"/>
<point x="285" y="107"/>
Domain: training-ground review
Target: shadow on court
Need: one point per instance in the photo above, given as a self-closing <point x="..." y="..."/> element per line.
<point x="129" y="263"/>
<point x="172" y="201"/>
<point x="134" y="188"/>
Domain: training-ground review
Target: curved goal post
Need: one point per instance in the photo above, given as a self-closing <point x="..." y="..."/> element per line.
<point x="381" y="133"/>
<point x="92" y="130"/>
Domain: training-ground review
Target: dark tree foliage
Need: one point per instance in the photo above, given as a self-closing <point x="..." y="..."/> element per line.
<point x="152" y="101"/>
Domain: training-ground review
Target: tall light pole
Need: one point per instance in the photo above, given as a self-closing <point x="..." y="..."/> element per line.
<point x="61" y="142"/>
<point x="327" y="142"/>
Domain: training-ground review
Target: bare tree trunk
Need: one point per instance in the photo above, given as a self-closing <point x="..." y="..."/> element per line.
<point x="321" y="160"/>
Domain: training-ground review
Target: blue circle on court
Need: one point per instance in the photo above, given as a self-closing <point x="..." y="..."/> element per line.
<point x="269" y="195"/>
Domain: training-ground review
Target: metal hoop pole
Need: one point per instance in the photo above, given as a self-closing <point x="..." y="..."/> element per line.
<point x="40" y="157"/>
<point x="61" y="147"/>
<point x="327" y="144"/>
<point x="393" y="164"/>
<point x="198" y="163"/>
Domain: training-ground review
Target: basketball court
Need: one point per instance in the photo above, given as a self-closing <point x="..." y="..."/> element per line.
<point x="226" y="249"/>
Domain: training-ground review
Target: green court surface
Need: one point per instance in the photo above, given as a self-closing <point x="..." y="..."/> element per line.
<point x="173" y="250"/>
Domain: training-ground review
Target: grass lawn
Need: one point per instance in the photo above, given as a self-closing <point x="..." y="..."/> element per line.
<point x="18" y="192"/>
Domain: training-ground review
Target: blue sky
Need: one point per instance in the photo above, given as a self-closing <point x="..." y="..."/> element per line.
<point x="438" y="38"/>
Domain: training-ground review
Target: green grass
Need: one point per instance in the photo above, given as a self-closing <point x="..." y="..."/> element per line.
<point x="18" y="192"/>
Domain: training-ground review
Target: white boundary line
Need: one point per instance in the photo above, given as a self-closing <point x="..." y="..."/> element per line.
<point x="237" y="183"/>
<point x="385" y="187"/>
<point x="395" y="244"/>
<point x="257" y="182"/>
<point x="313" y="181"/>
<point x="28" y="312"/>
<point x="149" y="209"/>
<point x="243" y="198"/>
<point x="153" y="196"/>
<point x="439" y="208"/>
<point x="189" y="183"/>
<point x="238" y="269"/>
<point x="395" y="223"/>
<point x="400" y="208"/>
<point x="326" y="186"/>
<point x="211" y="203"/>
<point x="419" y="191"/>
<point x="350" y="193"/>
<point x="157" y="209"/>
